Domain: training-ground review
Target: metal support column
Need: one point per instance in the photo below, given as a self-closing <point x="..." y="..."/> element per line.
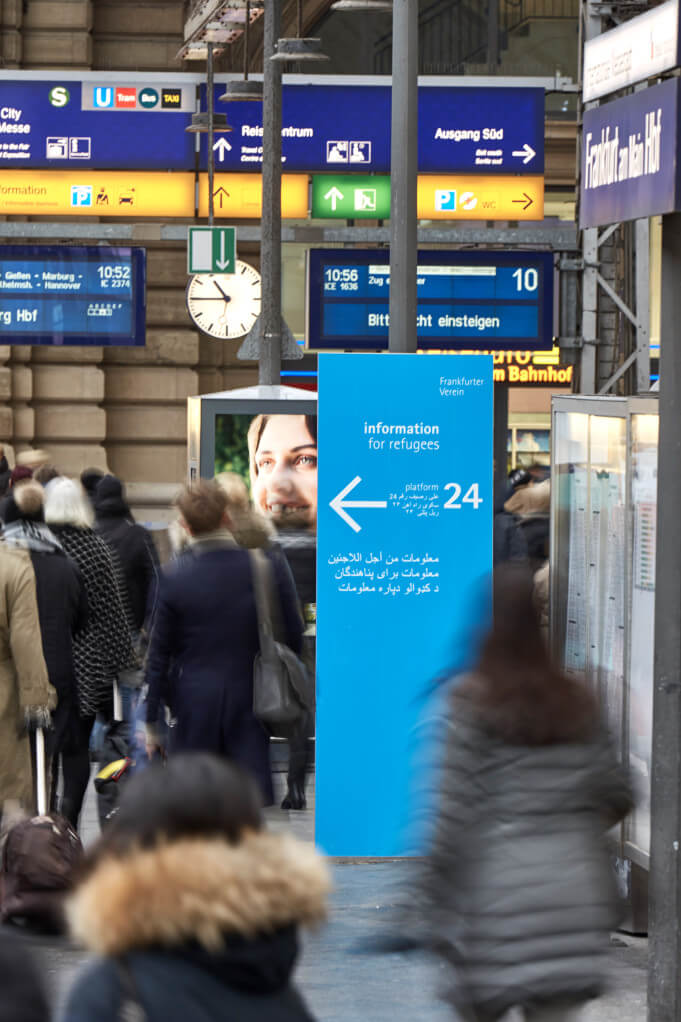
<point x="588" y="364"/>
<point x="492" y="36"/>
<point x="211" y="133"/>
<point x="270" y="246"/>
<point x="403" y="171"/>
<point x="664" y="953"/>
<point x="500" y="438"/>
<point x="642" y="298"/>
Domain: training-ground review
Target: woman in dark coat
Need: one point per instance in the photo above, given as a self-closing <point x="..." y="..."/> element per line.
<point x="519" y="892"/>
<point x="104" y="648"/>
<point x="192" y="906"/>
<point x="205" y="637"/>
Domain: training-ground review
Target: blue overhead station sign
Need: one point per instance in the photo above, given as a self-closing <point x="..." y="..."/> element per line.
<point x="630" y="167"/>
<point x="57" y="295"/>
<point x="466" y="300"/>
<point x="346" y="128"/>
<point x="404" y="536"/>
<point x="59" y="125"/>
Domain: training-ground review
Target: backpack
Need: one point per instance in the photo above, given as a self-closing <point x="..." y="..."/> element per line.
<point x="38" y="861"/>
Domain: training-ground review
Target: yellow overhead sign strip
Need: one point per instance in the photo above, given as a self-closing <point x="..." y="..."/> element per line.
<point x="480" y="197"/>
<point x="102" y="193"/>
<point x="239" y="196"/>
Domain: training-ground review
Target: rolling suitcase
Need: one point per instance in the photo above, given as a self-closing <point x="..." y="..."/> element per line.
<point x="38" y="860"/>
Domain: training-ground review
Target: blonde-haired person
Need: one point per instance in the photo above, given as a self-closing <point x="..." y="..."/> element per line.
<point x="104" y="648"/>
<point x="249" y="528"/>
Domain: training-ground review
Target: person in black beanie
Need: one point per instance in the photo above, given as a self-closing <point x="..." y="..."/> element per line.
<point x="89" y="478"/>
<point x="132" y="542"/>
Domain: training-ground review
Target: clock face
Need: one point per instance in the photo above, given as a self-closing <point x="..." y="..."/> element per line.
<point x="225" y="305"/>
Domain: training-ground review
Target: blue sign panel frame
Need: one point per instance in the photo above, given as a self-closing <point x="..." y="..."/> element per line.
<point x="630" y="167"/>
<point x="455" y="312"/>
<point x="404" y="540"/>
<point x="72" y="296"/>
<point x="345" y="128"/>
<point x="36" y="134"/>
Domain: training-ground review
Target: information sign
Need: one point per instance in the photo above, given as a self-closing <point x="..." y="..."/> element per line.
<point x="350" y="196"/>
<point x="59" y="295"/>
<point x="404" y="536"/>
<point x="211" y="250"/>
<point x="239" y="196"/>
<point x="480" y="197"/>
<point x="494" y="130"/>
<point x="96" y="193"/>
<point x="637" y="49"/>
<point x="629" y="157"/>
<point x="96" y="125"/>
<point x="466" y="300"/>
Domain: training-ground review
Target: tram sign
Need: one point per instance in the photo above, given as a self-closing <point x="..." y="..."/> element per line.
<point x="346" y="128"/>
<point x="59" y="295"/>
<point x="466" y="300"/>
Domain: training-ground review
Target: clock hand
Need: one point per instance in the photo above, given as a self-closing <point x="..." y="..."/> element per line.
<point x="225" y="296"/>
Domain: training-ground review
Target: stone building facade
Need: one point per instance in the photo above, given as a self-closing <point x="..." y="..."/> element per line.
<point x="123" y="408"/>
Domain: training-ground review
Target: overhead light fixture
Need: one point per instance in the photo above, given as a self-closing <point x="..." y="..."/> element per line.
<point x="366" y="6"/>
<point x="299" y="50"/>
<point x="199" y="123"/>
<point x="245" y="89"/>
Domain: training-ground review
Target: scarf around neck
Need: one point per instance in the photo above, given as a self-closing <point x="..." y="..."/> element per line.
<point x="29" y="535"/>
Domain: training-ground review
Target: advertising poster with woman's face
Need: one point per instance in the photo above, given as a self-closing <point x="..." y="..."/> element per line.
<point x="276" y="455"/>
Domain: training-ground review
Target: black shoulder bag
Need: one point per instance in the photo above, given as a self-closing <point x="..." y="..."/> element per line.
<point x="281" y="684"/>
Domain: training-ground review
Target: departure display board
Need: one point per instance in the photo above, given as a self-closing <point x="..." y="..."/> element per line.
<point x="466" y="300"/>
<point x="56" y="295"/>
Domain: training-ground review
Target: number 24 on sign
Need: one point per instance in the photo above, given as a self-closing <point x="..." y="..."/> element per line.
<point x="472" y="496"/>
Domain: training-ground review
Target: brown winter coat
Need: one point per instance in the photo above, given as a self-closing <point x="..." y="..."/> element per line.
<point x="24" y="684"/>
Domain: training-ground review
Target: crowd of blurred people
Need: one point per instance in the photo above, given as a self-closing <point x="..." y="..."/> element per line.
<point x="191" y="905"/>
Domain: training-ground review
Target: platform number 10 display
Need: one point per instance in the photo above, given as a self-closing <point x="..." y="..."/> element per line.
<point x="526" y="279"/>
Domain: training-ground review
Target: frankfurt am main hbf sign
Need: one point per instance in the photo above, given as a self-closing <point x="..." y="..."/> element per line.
<point x="629" y="157"/>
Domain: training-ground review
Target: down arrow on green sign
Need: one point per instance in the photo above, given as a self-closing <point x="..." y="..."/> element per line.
<point x="350" y="197"/>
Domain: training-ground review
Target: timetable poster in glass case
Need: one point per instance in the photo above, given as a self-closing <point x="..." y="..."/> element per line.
<point x="604" y="519"/>
<point x="644" y="437"/>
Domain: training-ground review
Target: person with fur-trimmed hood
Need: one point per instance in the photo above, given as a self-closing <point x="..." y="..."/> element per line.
<point x="192" y="906"/>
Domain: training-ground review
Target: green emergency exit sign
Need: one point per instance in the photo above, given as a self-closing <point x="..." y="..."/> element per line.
<point x="350" y="197"/>
<point x="211" y="250"/>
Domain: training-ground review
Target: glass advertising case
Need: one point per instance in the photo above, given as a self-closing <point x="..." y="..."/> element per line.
<point x="604" y="511"/>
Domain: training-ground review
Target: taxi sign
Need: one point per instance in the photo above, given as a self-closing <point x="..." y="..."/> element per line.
<point x="240" y="196"/>
<point x="96" y="193"/>
<point x="484" y="197"/>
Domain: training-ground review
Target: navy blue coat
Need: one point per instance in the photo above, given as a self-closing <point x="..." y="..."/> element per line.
<point x="203" y="644"/>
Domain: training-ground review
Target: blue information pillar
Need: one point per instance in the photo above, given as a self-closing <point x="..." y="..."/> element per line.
<point x="405" y="536"/>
